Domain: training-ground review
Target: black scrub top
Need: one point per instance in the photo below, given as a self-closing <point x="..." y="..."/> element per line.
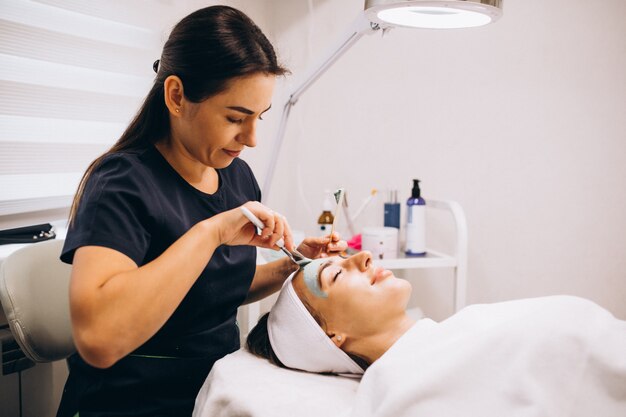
<point x="137" y="204"/>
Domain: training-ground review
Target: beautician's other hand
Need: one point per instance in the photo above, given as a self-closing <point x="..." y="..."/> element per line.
<point x="235" y="228"/>
<point x="321" y="247"/>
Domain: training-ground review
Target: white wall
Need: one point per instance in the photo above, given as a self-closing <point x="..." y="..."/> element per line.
<point x="522" y="122"/>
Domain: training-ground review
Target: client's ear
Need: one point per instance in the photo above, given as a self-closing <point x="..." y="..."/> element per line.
<point x="337" y="338"/>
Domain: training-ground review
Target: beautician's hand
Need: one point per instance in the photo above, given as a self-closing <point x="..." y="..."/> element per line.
<point x="235" y="229"/>
<point x="321" y="247"/>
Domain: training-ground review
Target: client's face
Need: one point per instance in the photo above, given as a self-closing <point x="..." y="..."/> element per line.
<point x="361" y="298"/>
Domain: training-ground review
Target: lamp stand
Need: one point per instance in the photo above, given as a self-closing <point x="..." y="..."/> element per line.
<point x="361" y="26"/>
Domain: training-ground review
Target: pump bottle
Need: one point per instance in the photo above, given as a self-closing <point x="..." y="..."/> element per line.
<point x="416" y="223"/>
<point x="325" y="221"/>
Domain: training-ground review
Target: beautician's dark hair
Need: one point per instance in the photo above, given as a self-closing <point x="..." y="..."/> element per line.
<point x="206" y="50"/>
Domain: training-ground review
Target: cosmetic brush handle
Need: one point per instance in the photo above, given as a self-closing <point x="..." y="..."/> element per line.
<point x="339" y="200"/>
<point x="365" y="204"/>
<point x="259" y="224"/>
<point x="332" y="227"/>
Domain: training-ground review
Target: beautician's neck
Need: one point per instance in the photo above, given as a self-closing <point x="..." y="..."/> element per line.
<point x="180" y="159"/>
<point x="373" y="347"/>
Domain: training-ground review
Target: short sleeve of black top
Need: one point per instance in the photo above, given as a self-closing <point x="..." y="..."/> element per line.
<point x="137" y="204"/>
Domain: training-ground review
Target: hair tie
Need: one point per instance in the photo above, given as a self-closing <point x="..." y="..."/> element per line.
<point x="155" y="66"/>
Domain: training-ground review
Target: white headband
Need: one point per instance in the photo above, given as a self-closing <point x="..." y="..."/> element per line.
<point x="299" y="342"/>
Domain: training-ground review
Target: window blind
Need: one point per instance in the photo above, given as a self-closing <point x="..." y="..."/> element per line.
<point x="72" y="75"/>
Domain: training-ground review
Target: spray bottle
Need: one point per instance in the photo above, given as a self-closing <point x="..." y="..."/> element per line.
<point x="416" y="223"/>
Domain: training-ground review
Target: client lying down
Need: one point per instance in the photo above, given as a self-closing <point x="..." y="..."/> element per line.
<point x="558" y="355"/>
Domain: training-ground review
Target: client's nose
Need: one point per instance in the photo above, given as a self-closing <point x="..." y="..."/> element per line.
<point x="362" y="260"/>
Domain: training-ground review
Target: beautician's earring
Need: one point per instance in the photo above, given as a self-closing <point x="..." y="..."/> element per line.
<point x="339" y="338"/>
<point x="177" y="111"/>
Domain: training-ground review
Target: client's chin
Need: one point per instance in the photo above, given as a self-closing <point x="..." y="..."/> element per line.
<point x="400" y="288"/>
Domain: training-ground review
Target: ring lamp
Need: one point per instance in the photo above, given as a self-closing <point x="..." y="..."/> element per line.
<point x="431" y="14"/>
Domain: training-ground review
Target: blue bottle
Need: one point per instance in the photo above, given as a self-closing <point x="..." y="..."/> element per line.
<point x="392" y="210"/>
<point x="416" y="223"/>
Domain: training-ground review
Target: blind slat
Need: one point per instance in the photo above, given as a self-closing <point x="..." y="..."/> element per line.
<point x="36" y="130"/>
<point x="20" y="99"/>
<point x="25" y="158"/>
<point x="28" y="186"/>
<point x="45" y="45"/>
<point x="26" y="70"/>
<point x="153" y="14"/>
<point x="60" y="20"/>
<point x="34" y="204"/>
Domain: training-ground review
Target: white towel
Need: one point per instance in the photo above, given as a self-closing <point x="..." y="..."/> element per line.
<point x="555" y="356"/>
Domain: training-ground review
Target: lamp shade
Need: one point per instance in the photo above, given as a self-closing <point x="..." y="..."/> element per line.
<point x="432" y="14"/>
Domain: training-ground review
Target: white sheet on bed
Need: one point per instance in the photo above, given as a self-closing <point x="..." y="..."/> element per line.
<point x="553" y="356"/>
<point x="243" y="385"/>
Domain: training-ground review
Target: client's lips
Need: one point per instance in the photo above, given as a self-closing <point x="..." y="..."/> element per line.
<point x="233" y="154"/>
<point x="380" y="274"/>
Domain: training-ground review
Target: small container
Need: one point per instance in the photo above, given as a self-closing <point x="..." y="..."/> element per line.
<point x="381" y="241"/>
<point x="392" y="210"/>
<point x="325" y="220"/>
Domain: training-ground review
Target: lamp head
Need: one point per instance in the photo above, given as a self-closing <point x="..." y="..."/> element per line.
<point x="433" y="14"/>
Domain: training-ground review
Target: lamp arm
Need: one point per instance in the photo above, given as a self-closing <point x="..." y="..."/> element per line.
<point x="360" y="27"/>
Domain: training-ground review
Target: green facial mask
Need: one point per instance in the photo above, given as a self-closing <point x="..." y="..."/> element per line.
<point x="311" y="280"/>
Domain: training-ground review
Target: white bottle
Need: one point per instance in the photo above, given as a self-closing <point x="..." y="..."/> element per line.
<point x="416" y="223"/>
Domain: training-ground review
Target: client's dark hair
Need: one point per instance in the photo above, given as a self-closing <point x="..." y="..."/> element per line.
<point x="258" y="341"/>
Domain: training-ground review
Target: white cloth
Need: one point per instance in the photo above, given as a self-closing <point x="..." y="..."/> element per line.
<point x="299" y="342"/>
<point x="552" y="356"/>
<point x="243" y="385"/>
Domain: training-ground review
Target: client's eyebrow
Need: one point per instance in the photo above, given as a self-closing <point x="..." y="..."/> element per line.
<point x="322" y="268"/>
<point x="246" y="111"/>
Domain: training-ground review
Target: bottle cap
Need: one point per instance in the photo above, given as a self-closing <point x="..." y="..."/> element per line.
<point x="393" y="196"/>
<point x="416" y="192"/>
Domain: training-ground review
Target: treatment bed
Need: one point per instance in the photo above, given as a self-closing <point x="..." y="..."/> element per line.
<point x="547" y="356"/>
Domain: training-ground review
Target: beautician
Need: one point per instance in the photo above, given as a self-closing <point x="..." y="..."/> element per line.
<point x="162" y="255"/>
